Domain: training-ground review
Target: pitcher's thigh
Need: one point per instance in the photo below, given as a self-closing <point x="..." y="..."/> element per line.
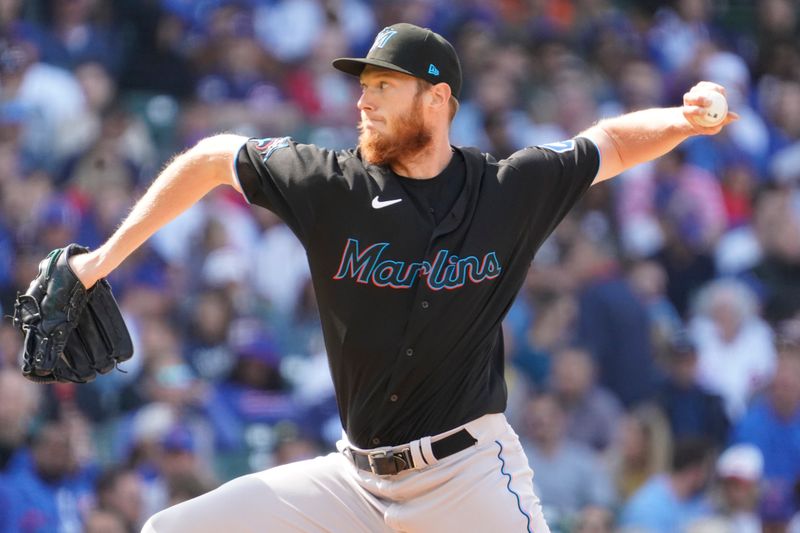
<point x="310" y="496"/>
<point x="493" y="494"/>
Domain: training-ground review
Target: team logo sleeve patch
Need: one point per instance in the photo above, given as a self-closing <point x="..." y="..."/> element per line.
<point x="559" y="147"/>
<point x="267" y="146"/>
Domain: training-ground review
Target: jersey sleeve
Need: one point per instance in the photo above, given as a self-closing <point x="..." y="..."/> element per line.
<point x="553" y="177"/>
<point x="286" y="177"/>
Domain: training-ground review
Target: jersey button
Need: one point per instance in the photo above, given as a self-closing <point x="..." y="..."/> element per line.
<point x="409" y="352"/>
<point x="425" y="304"/>
<point x="376" y="441"/>
<point x="393" y="398"/>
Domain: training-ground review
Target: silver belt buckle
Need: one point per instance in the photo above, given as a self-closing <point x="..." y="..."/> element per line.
<point x="401" y="459"/>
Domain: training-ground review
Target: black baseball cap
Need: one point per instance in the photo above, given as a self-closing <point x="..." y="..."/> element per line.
<point x="411" y="50"/>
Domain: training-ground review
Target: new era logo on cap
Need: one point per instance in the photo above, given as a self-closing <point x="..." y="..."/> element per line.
<point x="433" y="70"/>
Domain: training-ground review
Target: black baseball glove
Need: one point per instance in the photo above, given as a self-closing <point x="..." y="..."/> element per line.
<point x="71" y="334"/>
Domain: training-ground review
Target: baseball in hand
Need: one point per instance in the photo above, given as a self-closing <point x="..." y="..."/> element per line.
<point x="715" y="112"/>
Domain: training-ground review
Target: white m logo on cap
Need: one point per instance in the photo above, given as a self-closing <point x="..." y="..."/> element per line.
<point x="383" y="37"/>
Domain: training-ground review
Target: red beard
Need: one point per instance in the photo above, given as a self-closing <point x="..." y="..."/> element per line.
<point x="408" y="136"/>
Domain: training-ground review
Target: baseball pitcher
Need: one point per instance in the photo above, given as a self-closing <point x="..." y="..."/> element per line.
<point x="417" y="249"/>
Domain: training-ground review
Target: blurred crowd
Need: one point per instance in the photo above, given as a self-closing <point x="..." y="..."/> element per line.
<point x="653" y="356"/>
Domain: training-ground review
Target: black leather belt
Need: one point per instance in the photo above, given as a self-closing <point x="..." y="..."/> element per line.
<point x="395" y="460"/>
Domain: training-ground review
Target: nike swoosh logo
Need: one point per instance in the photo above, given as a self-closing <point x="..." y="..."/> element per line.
<point x="377" y="204"/>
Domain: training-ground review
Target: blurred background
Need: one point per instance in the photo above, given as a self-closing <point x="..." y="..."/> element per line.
<point x="653" y="355"/>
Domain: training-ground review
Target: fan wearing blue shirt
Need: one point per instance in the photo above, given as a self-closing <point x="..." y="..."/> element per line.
<point x="668" y="503"/>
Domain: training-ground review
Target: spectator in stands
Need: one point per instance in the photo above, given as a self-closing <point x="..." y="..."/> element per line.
<point x="612" y="323"/>
<point x="166" y="377"/>
<point x="549" y="330"/>
<point x="738" y="250"/>
<point x="568" y="474"/>
<point x="181" y="460"/>
<point x="14" y="23"/>
<point x="119" y="491"/>
<point x="322" y="96"/>
<point x="679" y="32"/>
<point x="295" y="447"/>
<point x="57" y="222"/>
<point x="285" y="269"/>
<point x="49" y="486"/>
<point x="691" y="410"/>
<point x="780" y="106"/>
<point x="111" y="161"/>
<point x="50" y="98"/>
<point x="256" y="390"/>
<point x="772" y="423"/>
<point x="736" y="354"/>
<point x="159" y="62"/>
<point x="641" y="450"/>
<point x="592" y="412"/>
<point x="99" y="521"/>
<point x="739" y="471"/>
<point x="686" y="258"/>
<point x="185" y="486"/>
<point x="207" y="349"/>
<point x="777" y="228"/>
<point x="648" y="280"/>
<point x="669" y="502"/>
<point x="77" y="32"/>
<point x="246" y="408"/>
<point x="19" y="401"/>
<point x="10" y="344"/>
<point x="595" y="520"/>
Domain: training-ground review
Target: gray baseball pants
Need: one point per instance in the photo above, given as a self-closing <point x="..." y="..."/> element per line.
<point x="485" y="488"/>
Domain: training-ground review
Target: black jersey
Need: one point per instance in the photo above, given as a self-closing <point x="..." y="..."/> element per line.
<point x="436" y="196"/>
<point x="411" y="309"/>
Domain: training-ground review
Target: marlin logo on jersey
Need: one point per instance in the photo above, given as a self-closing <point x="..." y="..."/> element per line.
<point x="447" y="271"/>
<point x="268" y="145"/>
<point x="383" y="37"/>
